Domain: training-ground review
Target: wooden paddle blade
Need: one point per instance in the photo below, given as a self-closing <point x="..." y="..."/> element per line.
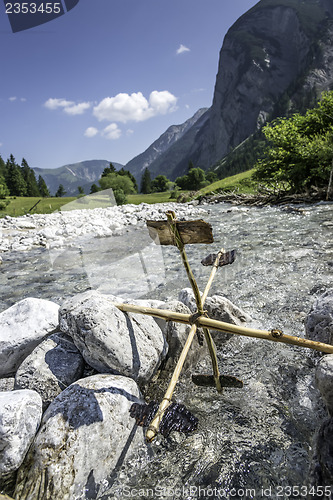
<point x="192" y="231"/>
<point x="225" y="259"/>
<point x="225" y="381"/>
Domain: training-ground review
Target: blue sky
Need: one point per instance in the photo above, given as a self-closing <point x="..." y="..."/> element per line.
<point x="109" y="77"/>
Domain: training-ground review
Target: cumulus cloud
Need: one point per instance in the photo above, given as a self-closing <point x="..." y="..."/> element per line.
<point x="58" y="103"/>
<point x="135" y="107"/>
<point x="77" y="109"/>
<point x="69" y="107"/>
<point x="182" y="48"/>
<point x="91" y="132"/>
<point x="12" y="99"/>
<point x="111" y="132"/>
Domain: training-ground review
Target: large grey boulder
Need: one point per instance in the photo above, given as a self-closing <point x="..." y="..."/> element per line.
<point x="112" y="341"/>
<point x="85" y="436"/>
<point x="324" y="379"/>
<point x="319" y="321"/>
<point x="51" y="367"/>
<point x="20" y="416"/>
<point x="22" y="327"/>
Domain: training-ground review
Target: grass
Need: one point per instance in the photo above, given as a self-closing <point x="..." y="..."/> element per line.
<point x="136" y="199"/>
<point x="21" y="205"/>
<point x="242" y="183"/>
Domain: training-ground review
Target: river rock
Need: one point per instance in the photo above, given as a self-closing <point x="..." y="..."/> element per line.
<point x="324" y="379"/>
<point x="85" y="436"/>
<point x="7" y="384"/>
<point x="20" y="416"/>
<point x="319" y="321"/>
<point x="22" y="327"/>
<point x="217" y="307"/>
<point x="51" y="367"/>
<point x="321" y="471"/>
<point x="112" y="341"/>
<point x="176" y="335"/>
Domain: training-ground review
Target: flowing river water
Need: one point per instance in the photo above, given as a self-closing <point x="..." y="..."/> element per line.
<point x="253" y="442"/>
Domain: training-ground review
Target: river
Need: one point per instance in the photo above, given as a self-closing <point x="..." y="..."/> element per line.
<point x="253" y="442"/>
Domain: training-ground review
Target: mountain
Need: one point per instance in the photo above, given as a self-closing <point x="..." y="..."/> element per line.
<point x="266" y="58"/>
<point x="161" y="146"/>
<point x="275" y="60"/>
<point x="84" y="173"/>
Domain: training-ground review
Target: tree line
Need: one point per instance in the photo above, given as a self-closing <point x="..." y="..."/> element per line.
<point x="194" y="179"/>
<point x="19" y="180"/>
<point x="122" y="182"/>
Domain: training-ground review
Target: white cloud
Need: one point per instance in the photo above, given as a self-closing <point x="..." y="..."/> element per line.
<point x="111" y="132"/>
<point x="58" y="103"/>
<point x="14" y="98"/>
<point x="91" y="132"/>
<point x="69" y="107"/>
<point x="77" y="109"/>
<point x="182" y="48"/>
<point x="135" y="107"/>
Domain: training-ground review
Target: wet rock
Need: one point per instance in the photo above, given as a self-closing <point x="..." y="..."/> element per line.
<point x="7" y="384"/>
<point x="85" y="436"/>
<point x="22" y="327"/>
<point x="217" y="307"/>
<point x="176" y="417"/>
<point x="321" y="471"/>
<point x="20" y="416"/>
<point x="176" y="335"/>
<point x="111" y="341"/>
<point x="50" y="368"/>
<point x="324" y="379"/>
<point x="319" y="321"/>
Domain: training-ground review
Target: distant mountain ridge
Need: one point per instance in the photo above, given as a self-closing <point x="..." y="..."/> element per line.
<point x="84" y="174"/>
<point x="149" y="158"/>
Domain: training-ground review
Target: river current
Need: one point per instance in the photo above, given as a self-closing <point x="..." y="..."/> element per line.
<point x="253" y="442"/>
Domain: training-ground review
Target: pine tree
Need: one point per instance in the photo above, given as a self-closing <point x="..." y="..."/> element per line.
<point x="111" y="169"/>
<point x="61" y="191"/>
<point x="2" y="167"/>
<point x="145" y="182"/>
<point x="14" y="178"/>
<point x="43" y="189"/>
<point x="30" y="179"/>
<point x="94" y="189"/>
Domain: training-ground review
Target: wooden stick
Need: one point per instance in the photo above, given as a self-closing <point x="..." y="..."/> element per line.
<point x="155" y="423"/>
<point x="181" y="247"/>
<point x="221" y="326"/>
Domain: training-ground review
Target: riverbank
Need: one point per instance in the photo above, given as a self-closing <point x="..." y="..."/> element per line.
<point x="61" y="228"/>
<point x="262" y="200"/>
